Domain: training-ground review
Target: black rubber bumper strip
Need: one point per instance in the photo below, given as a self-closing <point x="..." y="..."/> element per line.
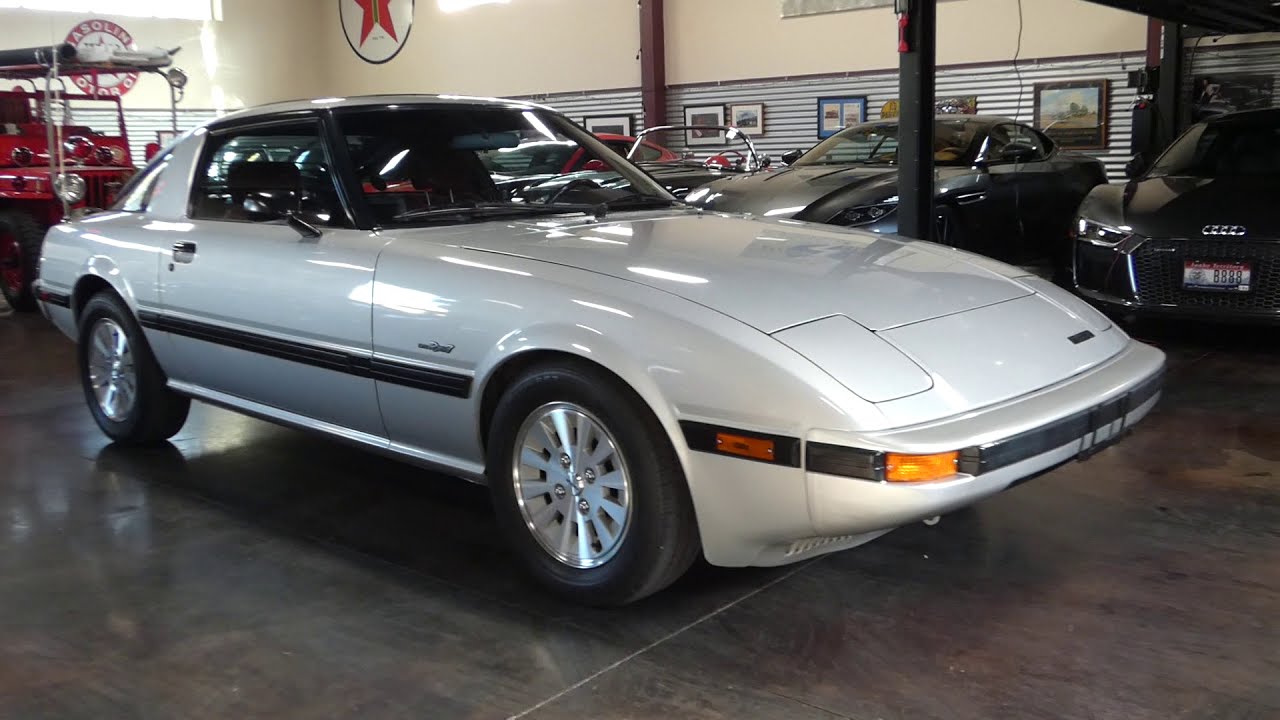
<point x="1003" y="453"/>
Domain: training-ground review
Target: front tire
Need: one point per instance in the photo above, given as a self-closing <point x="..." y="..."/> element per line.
<point x="587" y="487"/>
<point x="20" y="240"/>
<point x="123" y="385"/>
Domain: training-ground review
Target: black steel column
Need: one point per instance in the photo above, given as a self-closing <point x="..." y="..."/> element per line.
<point x="917" y="67"/>
<point x="1170" y="94"/>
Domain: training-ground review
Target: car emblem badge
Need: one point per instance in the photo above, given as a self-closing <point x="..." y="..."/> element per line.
<point x="436" y="347"/>
<point x="1224" y="230"/>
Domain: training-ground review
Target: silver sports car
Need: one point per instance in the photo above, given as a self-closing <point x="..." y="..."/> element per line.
<point x="637" y="381"/>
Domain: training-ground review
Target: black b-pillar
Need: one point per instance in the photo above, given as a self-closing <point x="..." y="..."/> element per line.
<point x="917" y="64"/>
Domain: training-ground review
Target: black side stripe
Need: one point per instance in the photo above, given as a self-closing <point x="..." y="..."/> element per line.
<point x="55" y="298"/>
<point x="397" y="373"/>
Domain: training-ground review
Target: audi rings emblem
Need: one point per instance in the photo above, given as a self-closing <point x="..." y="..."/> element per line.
<point x="1224" y="230"/>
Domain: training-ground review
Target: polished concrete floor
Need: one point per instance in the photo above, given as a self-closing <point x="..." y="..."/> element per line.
<point x="253" y="571"/>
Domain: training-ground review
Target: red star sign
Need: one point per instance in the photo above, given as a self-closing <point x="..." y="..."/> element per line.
<point x="376" y="12"/>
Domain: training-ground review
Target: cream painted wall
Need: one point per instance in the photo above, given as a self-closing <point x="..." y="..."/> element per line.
<point x="261" y="50"/>
<point x="709" y="40"/>
<point x="525" y="47"/>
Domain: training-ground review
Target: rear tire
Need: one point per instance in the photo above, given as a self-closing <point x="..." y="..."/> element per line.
<point x="609" y="525"/>
<point x="20" y="240"/>
<point x="123" y="385"/>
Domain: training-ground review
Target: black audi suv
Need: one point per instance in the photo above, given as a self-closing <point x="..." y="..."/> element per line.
<point x="1196" y="234"/>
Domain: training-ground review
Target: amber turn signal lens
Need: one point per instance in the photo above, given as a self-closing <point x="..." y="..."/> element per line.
<point x="919" y="468"/>
<point x="746" y="447"/>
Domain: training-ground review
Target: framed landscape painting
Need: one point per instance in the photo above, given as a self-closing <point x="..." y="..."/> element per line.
<point x="749" y="117"/>
<point x="1073" y="114"/>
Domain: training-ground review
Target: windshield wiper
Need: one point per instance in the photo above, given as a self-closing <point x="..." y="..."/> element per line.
<point x="487" y="211"/>
<point x="638" y="201"/>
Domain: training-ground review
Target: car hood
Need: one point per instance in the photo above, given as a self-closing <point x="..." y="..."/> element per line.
<point x="768" y="274"/>
<point x="785" y="192"/>
<point x="789" y="191"/>
<point x="1181" y="207"/>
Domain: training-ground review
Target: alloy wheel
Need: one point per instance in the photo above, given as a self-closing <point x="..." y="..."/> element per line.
<point x="572" y="485"/>
<point x="112" y="374"/>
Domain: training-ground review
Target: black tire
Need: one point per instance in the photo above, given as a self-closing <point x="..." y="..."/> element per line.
<point x="661" y="540"/>
<point x="157" y="413"/>
<point x="27" y="235"/>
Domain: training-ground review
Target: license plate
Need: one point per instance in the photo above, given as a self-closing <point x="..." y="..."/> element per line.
<point x="1217" y="276"/>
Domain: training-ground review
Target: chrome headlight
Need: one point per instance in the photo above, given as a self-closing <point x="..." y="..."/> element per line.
<point x="865" y="214"/>
<point x="1103" y="235"/>
<point x="70" y="188"/>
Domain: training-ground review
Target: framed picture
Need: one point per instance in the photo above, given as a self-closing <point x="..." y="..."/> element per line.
<point x="836" y="114"/>
<point x="609" y="125"/>
<point x="748" y="117"/>
<point x="1218" y="94"/>
<point x="706" y="115"/>
<point x="959" y="105"/>
<point x="1074" y="114"/>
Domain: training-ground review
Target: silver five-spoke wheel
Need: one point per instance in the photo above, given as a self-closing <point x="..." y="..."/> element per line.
<point x="111" y="369"/>
<point x="572" y="485"/>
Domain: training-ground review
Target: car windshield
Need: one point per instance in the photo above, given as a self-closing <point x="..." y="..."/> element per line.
<point x="532" y="157"/>
<point x="413" y="162"/>
<point x="877" y="144"/>
<point x="1223" y="149"/>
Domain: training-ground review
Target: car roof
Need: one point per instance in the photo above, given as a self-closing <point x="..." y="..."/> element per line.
<point x="980" y="119"/>
<point x="360" y="101"/>
<point x="1266" y="116"/>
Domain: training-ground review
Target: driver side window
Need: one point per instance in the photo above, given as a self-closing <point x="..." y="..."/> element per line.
<point x="1001" y="137"/>
<point x="1026" y="136"/>
<point x="265" y="174"/>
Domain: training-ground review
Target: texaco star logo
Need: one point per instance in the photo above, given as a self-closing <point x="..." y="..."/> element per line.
<point x="376" y="29"/>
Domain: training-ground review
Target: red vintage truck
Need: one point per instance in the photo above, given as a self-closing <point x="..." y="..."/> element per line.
<point x="53" y="165"/>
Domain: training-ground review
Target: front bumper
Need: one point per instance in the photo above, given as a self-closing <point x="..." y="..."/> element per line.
<point x="751" y="513"/>
<point x="1144" y="278"/>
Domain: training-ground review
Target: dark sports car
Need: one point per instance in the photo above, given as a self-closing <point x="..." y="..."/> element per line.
<point x="1003" y="189"/>
<point x="1195" y="234"/>
<point x="736" y="156"/>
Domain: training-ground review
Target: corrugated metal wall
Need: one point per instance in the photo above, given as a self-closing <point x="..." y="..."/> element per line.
<point x="791" y="103"/>
<point x="1203" y="58"/>
<point x="142" y="125"/>
<point x="580" y="105"/>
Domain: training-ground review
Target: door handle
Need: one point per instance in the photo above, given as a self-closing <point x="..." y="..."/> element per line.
<point x="184" y="252"/>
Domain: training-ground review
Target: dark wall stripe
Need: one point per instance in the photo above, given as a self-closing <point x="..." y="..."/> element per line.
<point x="396" y="373"/>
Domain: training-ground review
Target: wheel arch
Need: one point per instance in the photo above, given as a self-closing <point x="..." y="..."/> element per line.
<point x="510" y="368"/>
<point x="101" y="273"/>
<point x="86" y="287"/>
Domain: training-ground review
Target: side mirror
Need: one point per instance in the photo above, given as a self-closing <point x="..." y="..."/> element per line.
<point x="1019" y="152"/>
<point x="596" y="165"/>
<point x="791" y="156"/>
